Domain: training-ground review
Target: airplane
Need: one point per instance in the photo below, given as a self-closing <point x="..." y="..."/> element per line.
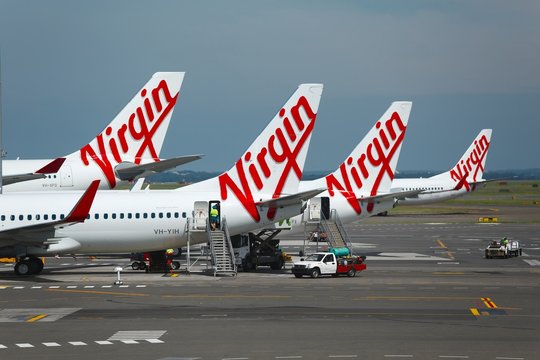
<point x="463" y="178"/>
<point x="360" y="187"/>
<point x="259" y="189"/>
<point x="127" y="148"/>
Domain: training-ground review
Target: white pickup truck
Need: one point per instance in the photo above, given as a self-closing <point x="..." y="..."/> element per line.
<point x="319" y="264"/>
<point x="502" y="249"/>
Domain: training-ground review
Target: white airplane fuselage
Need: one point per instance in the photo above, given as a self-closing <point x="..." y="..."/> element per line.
<point x="122" y="221"/>
<point x="435" y="190"/>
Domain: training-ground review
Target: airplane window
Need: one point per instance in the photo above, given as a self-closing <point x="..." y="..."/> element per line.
<point x="129" y="215"/>
<point x="137" y="215"/>
<point x="121" y="215"/>
<point x="153" y="215"/>
<point x="53" y="217"/>
<point x="3" y="217"/>
<point x="62" y="216"/>
<point x="12" y="217"/>
<point x="45" y="217"/>
<point x="29" y="217"/>
<point x="87" y="216"/>
<point x="96" y="216"/>
<point x="160" y="215"/>
<point x="184" y="214"/>
<point x="168" y="215"/>
<point x="113" y="215"/>
<point x="176" y="215"/>
<point x="105" y="216"/>
<point x="145" y="215"/>
<point x="38" y="216"/>
<point x="21" y="217"/>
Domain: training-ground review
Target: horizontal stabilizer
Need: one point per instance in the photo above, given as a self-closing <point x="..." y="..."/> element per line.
<point x="128" y="171"/>
<point x="393" y="195"/>
<point x="290" y="199"/>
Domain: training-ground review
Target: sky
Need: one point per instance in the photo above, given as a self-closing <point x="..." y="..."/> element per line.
<point x="67" y="68"/>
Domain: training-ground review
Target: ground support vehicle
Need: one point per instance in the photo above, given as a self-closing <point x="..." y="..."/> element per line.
<point x="328" y="263"/>
<point x="262" y="249"/>
<point x="155" y="261"/>
<point x="503" y="249"/>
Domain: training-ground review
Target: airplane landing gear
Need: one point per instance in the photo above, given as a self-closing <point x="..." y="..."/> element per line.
<point x="29" y="266"/>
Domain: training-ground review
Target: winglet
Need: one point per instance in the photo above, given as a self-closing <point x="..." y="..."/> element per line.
<point x="52" y="167"/>
<point x="82" y="208"/>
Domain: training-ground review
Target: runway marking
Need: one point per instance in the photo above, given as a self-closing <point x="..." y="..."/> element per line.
<point x="398" y="356"/>
<point x="25" y="345"/>
<point x="129" y="342"/>
<point x="508" y="358"/>
<point x="532" y="262"/>
<point x="289" y="357"/>
<point x="98" y="292"/>
<point x="453" y="356"/>
<point x="137" y="335"/>
<point x="77" y="343"/>
<point x="475" y="312"/>
<point x="103" y="342"/>
<point x="343" y="356"/>
<point x="36" y="318"/>
<point x="227" y="296"/>
<point x="51" y="344"/>
<point x="490" y="304"/>
<point x="3" y="346"/>
<point x="415" y="298"/>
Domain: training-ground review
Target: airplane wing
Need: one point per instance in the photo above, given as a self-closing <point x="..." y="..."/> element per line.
<point x="290" y="199"/>
<point x="393" y="195"/>
<point x="50" y="168"/>
<point x="129" y="171"/>
<point x="34" y="233"/>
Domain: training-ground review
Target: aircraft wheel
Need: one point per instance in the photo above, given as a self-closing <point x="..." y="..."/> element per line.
<point x="23" y="268"/>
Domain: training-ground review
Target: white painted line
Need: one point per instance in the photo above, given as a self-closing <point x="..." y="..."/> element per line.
<point x="51" y="344"/>
<point x="54" y="287"/>
<point x="129" y="342"/>
<point x="137" y="335"/>
<point x="124" y="286"/>
<point x="77" y="343"/>
<point x="107" y="286"/>
<point x="141" y="286"/>
<point x="235" y="359"/>
<point x="532" y="262"/>
<point x="398" y="356"/>
<point x="453" y="357"/>
<point x="3" y="346"/>
<point x="343" y="356"/>
<point x="289" y="357"/>
<point x="89" y="287"/>
<point x="104" y="343"/>
<point x="508" y="358"/>
<point x="18" y="287"/>
<point x="71" y="287"/>
<point x="25" y="345"/>
<point x="37" y="287"/>
<point x="154" y="341"/>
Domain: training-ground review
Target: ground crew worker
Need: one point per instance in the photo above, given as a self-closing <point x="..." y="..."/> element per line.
<point x="168" y="260"/>
<point x="504" y="241"/>
<point x="214" y="217"/>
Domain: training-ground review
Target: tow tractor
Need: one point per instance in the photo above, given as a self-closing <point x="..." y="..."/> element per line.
<point x="327" y="263"/>
<point x="262" y="249"/>
<point x="154" y="261"/>
<point x="504" y="248"/>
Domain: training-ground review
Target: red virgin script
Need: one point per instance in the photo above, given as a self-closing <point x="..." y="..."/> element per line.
<point x="141" y="126"/>
<point x="471" y="165"/>
<point x="290" y="145"/>
<point x="379" y="154"/>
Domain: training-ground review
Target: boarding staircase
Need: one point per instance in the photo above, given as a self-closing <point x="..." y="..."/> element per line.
<point x="335" y="232"/>
<point x="223" y="261"/>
